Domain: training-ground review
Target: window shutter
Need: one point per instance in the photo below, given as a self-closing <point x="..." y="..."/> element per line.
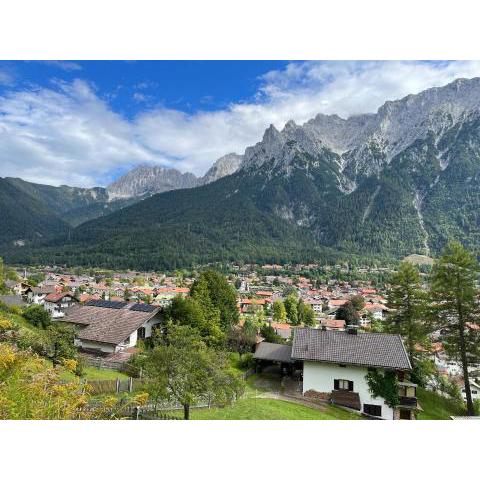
<point x="350" y="386"/>
<point x="335" y="385"/>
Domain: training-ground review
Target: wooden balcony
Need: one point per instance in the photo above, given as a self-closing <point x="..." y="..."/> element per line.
<point x="408" y="401"/>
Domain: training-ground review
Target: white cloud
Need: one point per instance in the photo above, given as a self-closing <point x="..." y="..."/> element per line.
<point x="6" y="78"/>
<point x="68" y="134"/>
<point x="65" y="136"/>
<point x="64" y="65"/>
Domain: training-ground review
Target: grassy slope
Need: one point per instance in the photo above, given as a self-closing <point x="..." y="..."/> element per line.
<point x="269" y="409"/>
<point x="89" y="373"/>
<point x="436" y="407"/>
<point x="92" y="373"/>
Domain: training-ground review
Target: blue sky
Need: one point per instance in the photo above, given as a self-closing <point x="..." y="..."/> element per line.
<point x="84" y="123"/>
<point x="131" y="87"/>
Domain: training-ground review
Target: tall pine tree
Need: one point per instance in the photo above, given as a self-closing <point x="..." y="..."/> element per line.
<point x="408" y="303"/>
<point x="455" y="304"/>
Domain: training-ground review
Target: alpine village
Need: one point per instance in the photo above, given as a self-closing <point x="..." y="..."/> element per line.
<point x="330" y="272"/>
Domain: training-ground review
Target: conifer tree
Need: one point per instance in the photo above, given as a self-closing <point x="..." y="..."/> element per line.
<point x="408" y="303"/>
<point x="455" y="305"/>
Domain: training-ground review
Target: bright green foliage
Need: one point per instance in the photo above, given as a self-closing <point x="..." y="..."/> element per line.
<point x="193" y="313"/>
<point x="306" y="315"/>
<point x="454" y="294"/>
<point x="214" y="292"/>
<point x="183" y="369"/>
<point x="269" y="334"/>
<point x="279" y="312"/>
<point x="37" y="316"/>
<point x="291" y="307"/>
<point x="384" y="385"/>
<point x="59" y="343"/>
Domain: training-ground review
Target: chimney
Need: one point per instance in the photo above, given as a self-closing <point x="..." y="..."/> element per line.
<point x="352" y="329"/>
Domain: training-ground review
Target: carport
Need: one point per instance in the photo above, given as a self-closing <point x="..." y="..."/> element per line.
<point x="268" y="354"/>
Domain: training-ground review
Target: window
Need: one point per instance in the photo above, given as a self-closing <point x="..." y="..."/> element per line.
<point x="405" y="414"/>
<point x="141" y="333"/>
<point x="374" y="410"/>
<point x="339" y="384"/>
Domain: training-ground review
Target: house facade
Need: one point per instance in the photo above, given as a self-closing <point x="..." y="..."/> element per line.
<point x="57" y="303"/>
<point x="36" y="295"/>
<point x="110" y="327"/>
<point x="336" y="363"/>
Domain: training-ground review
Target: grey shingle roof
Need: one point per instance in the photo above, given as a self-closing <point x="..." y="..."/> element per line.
<point x="366" y="349"/>
<point x="274" y="352"/>
<point x="12" y="300"/>
<point x="107" y="325"/>
<point x="46" y="289"/>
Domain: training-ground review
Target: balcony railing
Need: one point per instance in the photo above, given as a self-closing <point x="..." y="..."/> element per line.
<point x="408" y="401"/>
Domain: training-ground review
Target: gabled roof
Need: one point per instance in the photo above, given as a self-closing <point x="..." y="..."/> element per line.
<point x="56" y="297"/>
<point x="364" y="349"/>
<point x="45" y="290"/>
<point x="108" y="325"/>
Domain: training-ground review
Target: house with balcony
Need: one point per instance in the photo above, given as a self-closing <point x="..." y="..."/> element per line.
<point x="56" y="304"/>
<point x="36" y="295"/>
<point x="336" y="364"/>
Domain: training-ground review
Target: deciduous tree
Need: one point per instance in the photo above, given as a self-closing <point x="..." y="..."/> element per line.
<point x="279" y="312"/>
<point x="190" y="371"/>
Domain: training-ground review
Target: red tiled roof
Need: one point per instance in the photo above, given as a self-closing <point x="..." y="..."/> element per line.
<point x="280" y="326"/>
<point x="332" y="323"/>
<point x="375" y="306"/>
<point x="338" y="303"/>
<point x="252" y="301"/>
<point x="55" y="297"/>
<point x="472" y="326"/>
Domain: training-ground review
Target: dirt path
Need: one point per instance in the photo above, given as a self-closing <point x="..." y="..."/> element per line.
<point x="294" y="399"/>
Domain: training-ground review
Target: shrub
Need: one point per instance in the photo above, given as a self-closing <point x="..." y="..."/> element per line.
<point x="246" y="361"/>
<point x="37" y="316"/>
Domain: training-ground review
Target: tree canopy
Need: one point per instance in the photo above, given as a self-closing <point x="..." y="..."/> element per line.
<point x="213" y="291"/>
<point x="183" y="369"/>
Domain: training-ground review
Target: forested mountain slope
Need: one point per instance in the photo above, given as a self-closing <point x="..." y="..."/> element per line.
<point x="401" y="181"/>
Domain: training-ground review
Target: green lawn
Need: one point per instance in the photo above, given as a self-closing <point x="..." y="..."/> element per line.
<point x="92" y="373"/>
<point x="436" y="407"/>
<point x="268" y="409"/>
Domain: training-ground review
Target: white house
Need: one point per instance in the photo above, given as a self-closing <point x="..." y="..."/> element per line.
<point x="37" y="295"/>
<point x="317" y="305"/>
<point x="335" y="365"/>
<point x="57" y="303"/>
<point x="474" y="390"/>
<point x="111" y="327"/>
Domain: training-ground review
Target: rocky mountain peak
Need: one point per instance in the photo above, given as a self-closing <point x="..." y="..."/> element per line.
<point x="146" y="180"/>
<point x="224" y="166"/>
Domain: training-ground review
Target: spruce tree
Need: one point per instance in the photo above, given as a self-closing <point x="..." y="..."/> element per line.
<point x="455" y="305"/>
<point x="408" y="303"/>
